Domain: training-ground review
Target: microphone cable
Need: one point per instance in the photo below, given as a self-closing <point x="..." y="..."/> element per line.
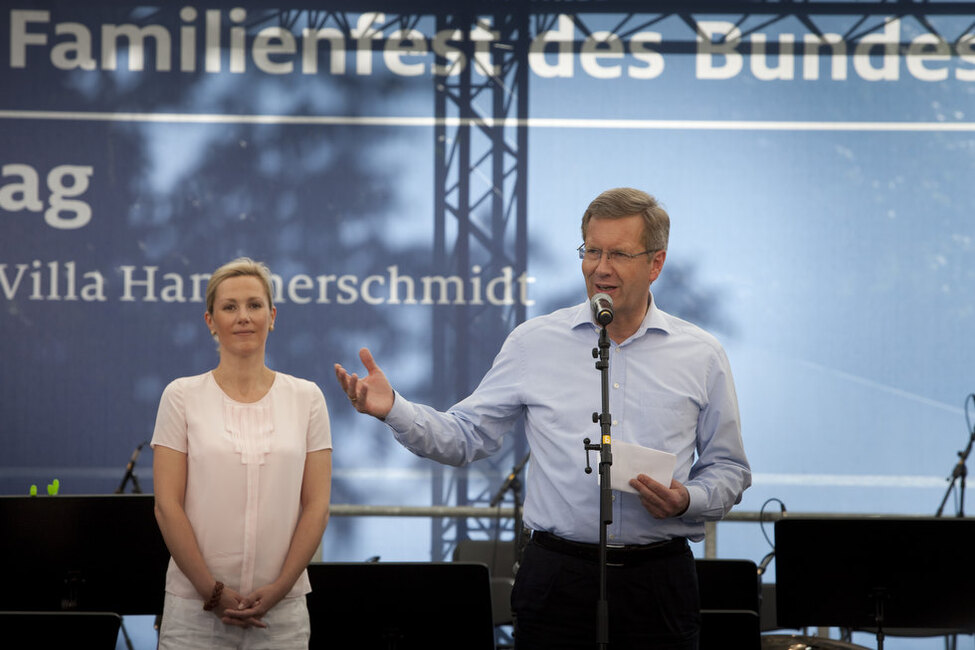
<point x="763" y="565"/>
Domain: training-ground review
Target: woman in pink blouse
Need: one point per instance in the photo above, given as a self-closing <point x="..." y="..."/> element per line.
<point x="242" y="474"/>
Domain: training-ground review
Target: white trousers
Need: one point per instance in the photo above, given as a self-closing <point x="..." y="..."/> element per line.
<point x="185" y="626"/>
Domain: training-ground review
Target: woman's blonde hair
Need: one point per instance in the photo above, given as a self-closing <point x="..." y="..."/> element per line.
<point x="242" y="266"/>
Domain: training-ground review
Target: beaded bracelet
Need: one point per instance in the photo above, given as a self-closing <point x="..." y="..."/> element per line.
<point x="214" y="597"/>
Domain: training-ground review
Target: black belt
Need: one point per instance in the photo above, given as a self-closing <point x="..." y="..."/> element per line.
<point x="617" y="555"/>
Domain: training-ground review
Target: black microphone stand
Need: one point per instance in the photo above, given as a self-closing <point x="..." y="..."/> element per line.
<point x="511" y="482"/>
<point x="959" y="473"/>
<point x="130" y="474"/>
<point x="605" y="490"/>
<point x="136" y="489"/>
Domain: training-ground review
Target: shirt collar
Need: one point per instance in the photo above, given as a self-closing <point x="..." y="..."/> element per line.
<point x="653" y="320"/>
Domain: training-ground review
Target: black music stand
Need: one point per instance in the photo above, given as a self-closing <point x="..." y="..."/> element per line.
<point x="499" y="557"/>
<point x="730" y="604"/>
<point x="400" y="606"/>
<point x="875" y="573"/>
<point x="99" y="553"/>
<point x="61" y="629"/>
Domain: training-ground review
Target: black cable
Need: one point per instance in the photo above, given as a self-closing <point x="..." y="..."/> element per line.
<point x="763" y="565"/>
<point x="968" y="420"/>
<point x="761" y="520"/>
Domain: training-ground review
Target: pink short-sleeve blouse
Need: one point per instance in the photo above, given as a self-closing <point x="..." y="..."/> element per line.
<point x="245" y="463"/>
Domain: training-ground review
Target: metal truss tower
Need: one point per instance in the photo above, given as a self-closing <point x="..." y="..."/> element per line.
<point x="480" y="225"/>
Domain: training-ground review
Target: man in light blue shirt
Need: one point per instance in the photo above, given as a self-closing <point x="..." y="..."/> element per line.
<point x="670" y="388"/>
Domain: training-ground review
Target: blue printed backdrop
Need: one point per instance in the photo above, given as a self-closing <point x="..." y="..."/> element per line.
<point x="821" y="229"/>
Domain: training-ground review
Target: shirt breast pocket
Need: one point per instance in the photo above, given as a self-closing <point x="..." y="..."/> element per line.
<point x="670" y="420"/>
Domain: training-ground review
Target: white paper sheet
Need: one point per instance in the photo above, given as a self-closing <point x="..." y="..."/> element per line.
<point x="630" y="460"/>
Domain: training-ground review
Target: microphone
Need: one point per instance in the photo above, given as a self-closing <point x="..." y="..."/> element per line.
<point x="602" y="308"/>
<point x="129" y="474"/>
<point x="135" y="454"/>
<point x="509" y="482"/>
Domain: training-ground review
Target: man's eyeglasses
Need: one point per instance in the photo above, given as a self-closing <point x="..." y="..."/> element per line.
<point x="596" y="254"/>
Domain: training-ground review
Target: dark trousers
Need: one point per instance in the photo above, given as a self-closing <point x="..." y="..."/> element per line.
<point x="653" y="604"/>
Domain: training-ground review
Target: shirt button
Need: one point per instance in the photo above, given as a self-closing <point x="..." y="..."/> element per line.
<point x="615" y="422"/>
<point x="616" y="385"/>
